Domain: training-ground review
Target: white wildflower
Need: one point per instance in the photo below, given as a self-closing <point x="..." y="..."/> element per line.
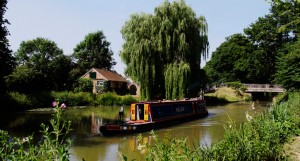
<point x="25" y="139"/>
<point x="253" y="107"/>
<point x="248" y="117"/>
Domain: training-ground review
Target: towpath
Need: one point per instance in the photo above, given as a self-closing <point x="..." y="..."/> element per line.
<point x="293" y="149"/>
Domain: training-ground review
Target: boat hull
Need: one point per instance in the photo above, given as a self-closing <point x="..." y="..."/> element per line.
<point x="139" y="127"/>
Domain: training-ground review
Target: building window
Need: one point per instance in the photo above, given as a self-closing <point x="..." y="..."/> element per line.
<point x="93" y="75"/>
<point x="100" y="83"/>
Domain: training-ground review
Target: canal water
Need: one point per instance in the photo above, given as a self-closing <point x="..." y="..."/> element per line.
<point x="92" y="146"/>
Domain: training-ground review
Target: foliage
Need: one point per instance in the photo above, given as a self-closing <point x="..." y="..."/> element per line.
<point x="54" y="144"/>
<point x="110" y="99"/>
<point x="83" y="85"/>
<point x="265" y="36"/>
<point x="74" y="99"/>
<point x="288" y="13"/>
<point x="160" y="45"/>
<point x="84" y="99"/>
<point x="127" y="100"/>
<point x="281" y="97"/>
<point x="230" y="61"/>
<point x="261" y="137"/>
<point x="47" y="66"/>
<point x="94" y="52"/>
<point x="107" y="99"/>
<point x="21" y="100"/>
<point x="270" y="41"/>
<point x="288" y="68"/>
<point x="177" y="75"/>
<point x="237" y="86"/>
<point x="6" y="60"/>
<point x="15" y="101"/>
<point x="252" y="57"/>
<point x="25" y="79"/>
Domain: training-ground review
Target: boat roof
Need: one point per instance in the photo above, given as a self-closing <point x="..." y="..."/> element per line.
<point x="170" y="101"/>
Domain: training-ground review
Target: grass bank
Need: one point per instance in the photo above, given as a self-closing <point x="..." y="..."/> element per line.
<point x="227" y="95"/>
<point x="261" y="137"/>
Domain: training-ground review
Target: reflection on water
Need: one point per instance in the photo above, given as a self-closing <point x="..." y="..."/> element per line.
<point x="96" y="123"/>
<point x="90" y="145"/>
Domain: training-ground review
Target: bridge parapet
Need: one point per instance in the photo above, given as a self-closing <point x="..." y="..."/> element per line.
<point x="264" y="88"/>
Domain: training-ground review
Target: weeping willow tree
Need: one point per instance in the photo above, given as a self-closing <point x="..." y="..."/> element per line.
<point x="163" y="50"/>
<point x="177" y="77"/>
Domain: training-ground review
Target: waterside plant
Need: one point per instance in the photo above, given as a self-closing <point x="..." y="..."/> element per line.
<point x="54" y="144"/>
<point x="261" y="137"/>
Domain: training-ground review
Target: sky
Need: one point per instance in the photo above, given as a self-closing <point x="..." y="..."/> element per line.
<point x="67" y="22"/>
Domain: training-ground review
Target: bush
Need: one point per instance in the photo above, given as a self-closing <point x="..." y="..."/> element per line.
<point x="20" y="100"/>
<point x="83" y="85"/>
<point x="107" y="99"/>
<point x="110" y="99"/>
<point x="15" y="101"/>
<point x="127" y="100"/>
<point x="237" y="85"/>
<point x="74" y="99"/>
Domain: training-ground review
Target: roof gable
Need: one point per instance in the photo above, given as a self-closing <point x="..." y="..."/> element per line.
<point x="108" y="75"/>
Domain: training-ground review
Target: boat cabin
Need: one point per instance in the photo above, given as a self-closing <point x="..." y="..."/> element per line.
<point x="155" y="111"/>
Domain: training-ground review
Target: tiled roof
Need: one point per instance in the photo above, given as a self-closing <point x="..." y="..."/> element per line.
<point x="111" y="76"/>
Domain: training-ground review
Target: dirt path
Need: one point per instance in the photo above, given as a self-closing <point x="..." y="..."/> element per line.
<point x="293" y="149"/>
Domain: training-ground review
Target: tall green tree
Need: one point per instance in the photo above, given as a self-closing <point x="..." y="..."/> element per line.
<point x="268" y="41"/>
<point x="163" y="50"/>
<point x="47" y="67"/>
<point x="272" y="33"/>
<point x="231" y="61"/>
<point x="93" y="52"/>
<point x="287" y="12"/>
<point x="268" y="38"/>
<point x="6" y="60"/>
<point x="288" y="68"/>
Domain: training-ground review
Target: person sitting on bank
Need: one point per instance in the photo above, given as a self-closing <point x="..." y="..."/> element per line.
<point x="121" y="113"/>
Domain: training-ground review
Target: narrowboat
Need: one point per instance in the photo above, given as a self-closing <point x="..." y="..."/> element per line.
<point x="146" y="116"/>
